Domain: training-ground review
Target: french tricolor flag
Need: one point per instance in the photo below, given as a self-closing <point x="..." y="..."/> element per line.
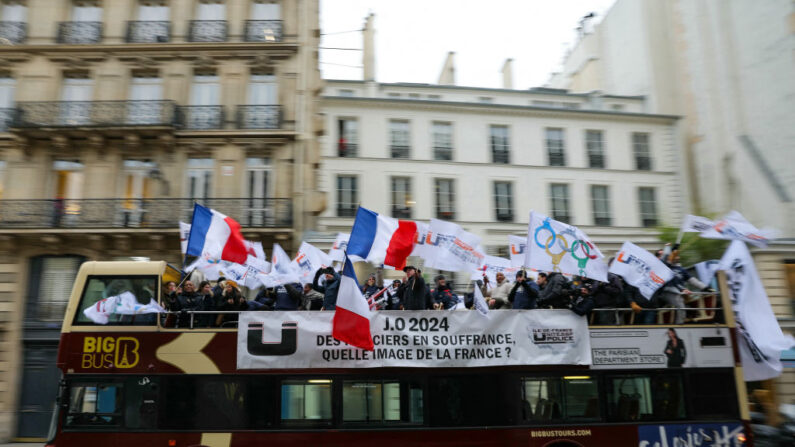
<point x="381" y="239"/>
<point x="216" y="235"/>
<point x="352" y="316"/>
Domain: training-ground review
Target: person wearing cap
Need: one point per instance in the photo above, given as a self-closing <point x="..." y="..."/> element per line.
<point x="498" y="295"/>
<point x="524" y="293"/>
<point x="443" y="296"/>
<point x="414" y="294"/>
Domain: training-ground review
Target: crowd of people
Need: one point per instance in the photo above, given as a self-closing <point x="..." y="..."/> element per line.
<point x="548" y="290"/>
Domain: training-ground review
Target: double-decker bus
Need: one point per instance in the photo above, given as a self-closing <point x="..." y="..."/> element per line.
<point x="435" y="378"/>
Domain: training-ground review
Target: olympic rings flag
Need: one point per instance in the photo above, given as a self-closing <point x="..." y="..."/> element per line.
<point x="554" y="246"/>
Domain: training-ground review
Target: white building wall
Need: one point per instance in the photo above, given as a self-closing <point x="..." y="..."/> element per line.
<point x="474" y="173"/>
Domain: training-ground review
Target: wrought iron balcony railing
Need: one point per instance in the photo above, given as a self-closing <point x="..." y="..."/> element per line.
<point x="259" y="117"/>
<point x="557" y="159"/>
<point x="263" y="30"/>
<point x="400" y="151"/>
<point x="6" y="116"/>
<point x="442" y="153"/>
<point x="13" y="32"/>
<point x="94" y="114"/>
<point x="138" y="213"/>
<point x="148" y="32"/>
<point x="200" y="117"/>
<point x="642" y="163"/>
<point x="207" y="31"/>
<point x="596" y="160"/>
<point x="345" y="149"/>
<point x="500" y="156"/>
<point x="80" y="32"/>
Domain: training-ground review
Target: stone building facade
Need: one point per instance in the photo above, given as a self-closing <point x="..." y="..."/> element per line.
<point x="115" y="116"/>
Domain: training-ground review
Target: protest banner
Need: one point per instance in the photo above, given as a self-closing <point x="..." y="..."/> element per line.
<point x="449" y="247"/>
<point x="554" y="246"/>
<point x="641" y="269"/>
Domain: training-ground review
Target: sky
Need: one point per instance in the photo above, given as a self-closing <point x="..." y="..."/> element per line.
<point x="413" y="37"/>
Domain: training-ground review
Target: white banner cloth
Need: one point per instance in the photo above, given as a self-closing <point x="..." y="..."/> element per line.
<point x="451" y="248"/>
<point x="337" y="251"/>
<point x="554" y="246"/>
<point x="184" y="234"/>
<point x="493" y="265"/>
<point x="517" y="246"/>
<point x="308" y="260"/>
<point x="282" y="271"/>
<point x="122" y="304"/>
<point x="759" y="335"/>
<point x="275" y="340"/>
<point x="641" y="269"/>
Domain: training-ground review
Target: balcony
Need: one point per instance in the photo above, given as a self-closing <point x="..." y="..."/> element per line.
<point x="200" y="117"/>
<point x="442" y="153"/>
<point x="207" y="31"/>
<point x="346" y="149"/>
<point x="13" y="32"/>
<point x="399" y="151"/>
<point x="148" y="32"/>
<point x="263" y="31"/>
<point x="259" y="117"/>
<point x="6" y="117"/>
<point x="94" y="114"/>
<point x="500" y="157"/>
<point x="79" y="32"/>
<point x="401" y="212"/>
<point x="346" y="210"/>
<point x="596" y="161"/>
<point x="138" y="213"/>
<point x="557" y="159"/>
<point x="642" y="163"/>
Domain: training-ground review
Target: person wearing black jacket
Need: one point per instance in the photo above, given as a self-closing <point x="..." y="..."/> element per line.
<point x="606" y="295"/>
<point x="393" y="295"/>
<point x="329" y="289"/>
<point x="554" y="292"/>
<point x="675" y="350"/>
<point x="443" y="296"/>
<point x="414" y="294"/>
<point x="524" y="294"/>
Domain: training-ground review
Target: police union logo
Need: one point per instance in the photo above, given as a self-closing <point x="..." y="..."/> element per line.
<point x="550" y="336"/>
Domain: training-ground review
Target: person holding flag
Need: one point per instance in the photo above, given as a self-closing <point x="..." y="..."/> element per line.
<point x="330" y="288"/>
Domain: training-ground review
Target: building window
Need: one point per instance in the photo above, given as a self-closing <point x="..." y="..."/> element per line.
<point x="640" y="147"/>
<point x="347" y="195"/>
<point x="259" y="207"/>
<point x="348" y="137"/>
<point x="76" y="95"/>
<point x="401" y="197"/>
<point x="500" y="145"/>
<point x="600" y="199"/>
<point x="445" y="198"/>
<point x="435" y="97"/>
<point x="263" y="89"/>
<point x="347" y="93"/>
<point x="13" y="18"/>
<point x="559" y="200"/>
<point x="594" y="146"/>
<point x="555" y="147"/>
<point x="503" y="201"/>
<point x="648" y="207"/>
<point x="399" y="138"/>
<point x="442" y="141"/>
<point x="306" y="401"/>
<point x="51" y="284"/>
<point x="6" y="101"/>
<point x="200" y="178"/>
<point x="485" y="99"/>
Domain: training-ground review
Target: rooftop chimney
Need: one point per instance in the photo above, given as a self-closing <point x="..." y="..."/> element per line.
<point x="507" y="74"/>
<point x="368" y="53"/>
<point x="447" y="77"/>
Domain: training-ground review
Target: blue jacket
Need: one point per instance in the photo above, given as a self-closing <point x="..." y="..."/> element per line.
<point x="329" y="290"/>
<point x="524" y="295"/>
<point x="445" y="296"/>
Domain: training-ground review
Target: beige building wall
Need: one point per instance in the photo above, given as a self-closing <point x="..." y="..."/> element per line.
<point x="34" y="223"/>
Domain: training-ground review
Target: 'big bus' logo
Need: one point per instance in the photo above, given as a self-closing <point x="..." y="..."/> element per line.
<point x="110" y="352"/>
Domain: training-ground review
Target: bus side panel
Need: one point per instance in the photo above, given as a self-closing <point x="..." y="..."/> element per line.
<point x="585" y="436"/>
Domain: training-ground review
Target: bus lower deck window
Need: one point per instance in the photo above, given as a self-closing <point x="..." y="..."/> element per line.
<point x="306" y="400"/>
<point x="645" y="397"/>
<point x="94" y="405"/>
<point x="381" y="402"/>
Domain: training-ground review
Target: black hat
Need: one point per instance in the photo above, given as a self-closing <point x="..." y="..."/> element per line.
<point x="221" y="278"/>
<point x="521" y="274"/>
<point x="409" y="267"/>
<point x="395" y="281"/>
<point x="439" y="278"/>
